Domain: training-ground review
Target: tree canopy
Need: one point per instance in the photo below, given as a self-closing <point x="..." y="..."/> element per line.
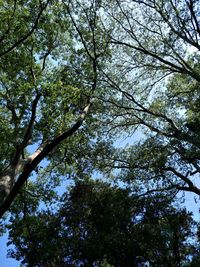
<point x="75" y="77"/>
<point x="96" y="224"/>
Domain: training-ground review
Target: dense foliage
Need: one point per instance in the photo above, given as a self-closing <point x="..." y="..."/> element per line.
<point x="98" y="224"/>
<point x="75" y="78"/>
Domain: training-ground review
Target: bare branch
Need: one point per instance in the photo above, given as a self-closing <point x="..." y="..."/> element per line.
<point x="191" y="187"/>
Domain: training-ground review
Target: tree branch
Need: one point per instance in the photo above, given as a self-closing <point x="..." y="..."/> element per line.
<point x="22" y="39"/>
<point x="191" y="187"/>
<point x="39" y="155"/>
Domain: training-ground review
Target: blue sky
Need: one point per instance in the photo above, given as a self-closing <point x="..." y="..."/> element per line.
<point x="4" y="261"/>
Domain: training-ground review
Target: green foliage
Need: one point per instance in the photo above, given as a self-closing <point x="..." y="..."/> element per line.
<point x="135" y="64"/>
<point x="102" y="225"/>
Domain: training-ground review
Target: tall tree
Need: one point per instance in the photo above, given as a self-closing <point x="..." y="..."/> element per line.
<point x="47" y="94"/>
<point x="73" y="72"/>
<point x="98" y="223"/>
<point x="155" y="88"/>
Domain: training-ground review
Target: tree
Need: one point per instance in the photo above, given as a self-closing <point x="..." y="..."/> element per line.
<point x="98" y="223"/>
<point x="73" y="74"/>
<point x="155" y="88"/>
<point x="154" y="52"/>
<point x="43" y="102"/>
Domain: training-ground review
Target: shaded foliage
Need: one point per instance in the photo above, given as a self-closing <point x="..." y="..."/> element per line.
<point x="97" y="222"/>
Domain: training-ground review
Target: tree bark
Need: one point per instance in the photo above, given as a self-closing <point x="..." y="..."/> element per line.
<point x="9" y="188"/>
